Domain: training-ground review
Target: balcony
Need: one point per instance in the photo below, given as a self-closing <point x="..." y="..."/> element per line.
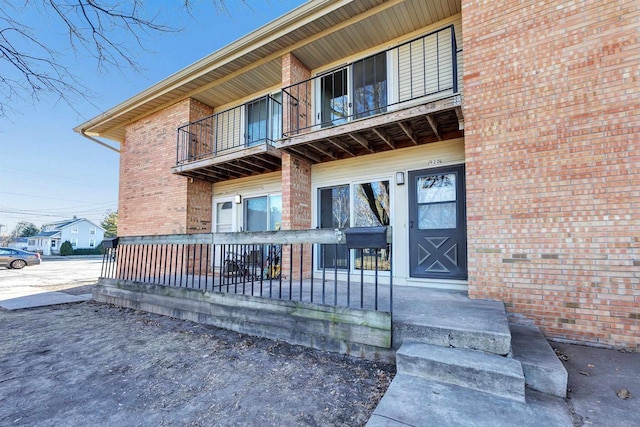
<point x="233" y="143"/>
<point x="404" y="96"/>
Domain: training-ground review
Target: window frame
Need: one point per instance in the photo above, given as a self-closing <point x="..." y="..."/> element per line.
<point x="268" y="196"/>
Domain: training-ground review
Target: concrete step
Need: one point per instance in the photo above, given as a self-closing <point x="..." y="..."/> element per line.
<point x="487" y="373"/>
<point x="542" y="369"/>
<point x="450" y="319"/>
<point x="415" y="401"/>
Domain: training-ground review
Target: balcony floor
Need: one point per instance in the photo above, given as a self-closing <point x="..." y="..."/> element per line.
<point x="418" y="124"/>
<point x="237" y="163"/>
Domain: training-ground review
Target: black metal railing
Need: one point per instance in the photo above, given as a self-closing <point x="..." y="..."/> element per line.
<point x="279" y="265"/>
<point x="253" y="123"/>
<point x="426" y="66"/>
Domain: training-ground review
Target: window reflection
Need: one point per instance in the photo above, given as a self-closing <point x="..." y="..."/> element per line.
<point x="436" y="196"/>
<point x="372" y="209"/>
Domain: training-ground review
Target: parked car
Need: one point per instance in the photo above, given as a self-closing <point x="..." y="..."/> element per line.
<point x="17" y="258"/>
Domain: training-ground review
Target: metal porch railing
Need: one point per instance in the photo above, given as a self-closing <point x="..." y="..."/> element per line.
<point x="251" y="124"/>
<point x="308" y="265"/>
<point x="426" y="66"/>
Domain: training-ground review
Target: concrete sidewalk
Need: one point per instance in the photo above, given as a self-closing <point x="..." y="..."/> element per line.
<point x="597" y="382"/>
<point x="21" y="297"/>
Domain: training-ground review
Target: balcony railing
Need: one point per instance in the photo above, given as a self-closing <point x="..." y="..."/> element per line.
<point x="255" y="123"/>
<point x="426" y="67"/>
<point x="285" y="265"/>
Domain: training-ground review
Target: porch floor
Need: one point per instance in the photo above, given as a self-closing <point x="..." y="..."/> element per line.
<point x="442" y="317"/>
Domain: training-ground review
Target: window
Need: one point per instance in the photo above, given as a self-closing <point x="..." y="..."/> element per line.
<point x="74" y="242"/>
<point x="92" y="243"/>
<point x="92" y="230"/>
<point x="31" y="242"/>
<point x="361" y="86"/>
<point x="74" y="229"/>
<point x="263" y="213"/>
<point x="53" y="243"/>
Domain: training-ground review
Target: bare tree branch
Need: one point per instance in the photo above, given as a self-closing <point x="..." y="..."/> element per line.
<point x="100" y="29"/>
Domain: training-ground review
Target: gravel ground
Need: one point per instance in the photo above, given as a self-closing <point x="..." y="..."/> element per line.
<point x="95" y="364"/>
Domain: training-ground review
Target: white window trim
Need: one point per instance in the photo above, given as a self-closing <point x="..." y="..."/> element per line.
<point x="257" y="196"/>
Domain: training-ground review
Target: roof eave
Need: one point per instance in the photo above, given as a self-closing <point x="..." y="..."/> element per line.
<point x="256" y="38"/>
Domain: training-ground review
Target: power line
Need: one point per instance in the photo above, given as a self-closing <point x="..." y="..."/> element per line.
<point x="37" y="196"/>
<point x="56" y="176"/>
<point x="95" y="206"/>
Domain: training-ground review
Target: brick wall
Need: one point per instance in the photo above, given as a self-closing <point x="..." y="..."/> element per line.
<point x="552" y="114"/>
<point x="152" y="200"/>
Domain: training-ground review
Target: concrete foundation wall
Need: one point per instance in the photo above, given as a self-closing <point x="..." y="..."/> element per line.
<point x="350" y="331"/>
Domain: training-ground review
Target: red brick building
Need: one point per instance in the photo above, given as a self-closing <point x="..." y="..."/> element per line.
<point x="498" y="139"/>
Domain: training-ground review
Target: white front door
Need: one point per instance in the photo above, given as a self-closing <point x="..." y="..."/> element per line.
<point x="224" y="218"/>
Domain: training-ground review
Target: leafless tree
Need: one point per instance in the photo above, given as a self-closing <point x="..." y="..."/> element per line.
<point x="108" y="31"/>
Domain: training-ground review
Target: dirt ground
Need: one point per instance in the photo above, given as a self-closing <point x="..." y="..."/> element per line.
<point x="95" y="364"/>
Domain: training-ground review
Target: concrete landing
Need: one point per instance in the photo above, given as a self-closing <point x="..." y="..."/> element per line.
<point x="449" y="319"/>
<point x="543" y="371"/>
<point x="21" y="297"/>
<point x="414" y="401"/>
<point x="489" y="373"/>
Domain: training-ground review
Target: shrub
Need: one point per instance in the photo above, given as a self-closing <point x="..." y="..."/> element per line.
<point x="66" y="248"/>
<point x="88" y="251"/>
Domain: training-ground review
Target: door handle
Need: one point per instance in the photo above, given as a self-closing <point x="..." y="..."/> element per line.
<point x="410" y="224"/>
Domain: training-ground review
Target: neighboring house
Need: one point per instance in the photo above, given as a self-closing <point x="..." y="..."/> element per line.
<point x="498" y="139"/>
<point x="82" y="233"/>
<point x="19" y="243"/>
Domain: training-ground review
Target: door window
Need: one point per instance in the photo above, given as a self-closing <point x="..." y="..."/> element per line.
<point x="371" y="204"/>
<point x="334" y="213"/>
<point x="257" y="119"/>
<point x="334" y="99"/>
<point x="370" y="86"/>
<point x="371" y="207"/>
<point x="224" y="217"/>
<point x="275" y="111"/>
<point x="436" y="197"/>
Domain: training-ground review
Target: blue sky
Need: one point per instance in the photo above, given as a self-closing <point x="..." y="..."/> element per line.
<point x="47" y="171"/>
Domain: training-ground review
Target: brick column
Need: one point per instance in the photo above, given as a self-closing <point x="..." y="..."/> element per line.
<point x="296" y="103"/>
<point x="296" y="173"/>
<point x="296" y="210"/>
